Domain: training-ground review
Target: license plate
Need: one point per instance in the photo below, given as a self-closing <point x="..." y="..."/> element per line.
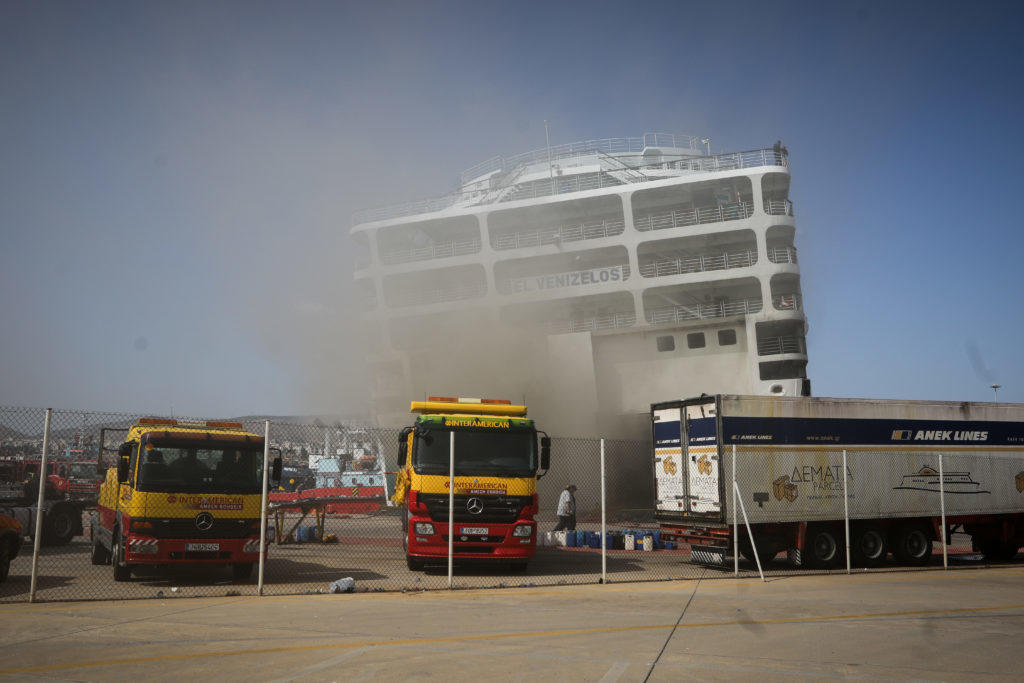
<point x="474" y="531"/>
<point x="202" y="546"/>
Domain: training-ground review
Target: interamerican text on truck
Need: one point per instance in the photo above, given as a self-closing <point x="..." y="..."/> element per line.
<point x="906" y="464"/>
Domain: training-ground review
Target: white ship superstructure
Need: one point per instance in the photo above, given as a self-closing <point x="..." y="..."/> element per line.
<point x="648" y="269"/>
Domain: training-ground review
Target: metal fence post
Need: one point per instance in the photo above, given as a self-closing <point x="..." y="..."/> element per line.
<point x="451" y="506"/>
<point x="604" y="535"/>
<point x="263" y="505"/>
<point x="942" y="506"/>
<point x="41" y="479"/>
<point x="846" y="512"/>
<point x="735" y="520"/>
<point x="750" y="533"/>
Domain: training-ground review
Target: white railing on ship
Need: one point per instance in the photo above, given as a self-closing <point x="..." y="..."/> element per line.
<point x="719" y="162"/>
<point x="772" y="346"/>
<point x="696" y="264"/>
<point x="720" y="309"/>
<point x="778" y="207"/>
<point x="419" y="297"/>
<point x="437" y="250"/>
<point x="562" y="233"/>
<point x="582" y="148"/>
<point x="368" y="302"/>
<point x="562" y="185"/>
<point x="604" y="322"/>
<point x="678" y="218"/>
<point x="787" y="302"/>
<point x="728" y="162"/>
<point x="782" y="254"/>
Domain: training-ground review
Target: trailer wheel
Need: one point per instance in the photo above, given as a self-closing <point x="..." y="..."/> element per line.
<point x="767" y="554"/>
<point x="60" y="525"/>
<point x="415" y="564"/>
<point x="869" y="547"/>
<point x="913" y="544"/>
<point x="822" y="547"/>
<point x="122" y="572"/>
<point x="997" y="551"/>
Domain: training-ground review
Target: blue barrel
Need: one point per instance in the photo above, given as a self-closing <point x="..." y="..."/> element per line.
<point x="570" y="539"/>
<point x="595" y="540"/>
<point x="581" y="539"/>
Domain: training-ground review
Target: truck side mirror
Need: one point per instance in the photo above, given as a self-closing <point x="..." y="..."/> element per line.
<point x="545" y="453"/>
<point x="275" y="471"/>
<point x="403" y="446"/>
<point x="122" y="471"/>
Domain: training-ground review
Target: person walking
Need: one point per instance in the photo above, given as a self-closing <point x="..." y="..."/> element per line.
<point x="567" y="509"/>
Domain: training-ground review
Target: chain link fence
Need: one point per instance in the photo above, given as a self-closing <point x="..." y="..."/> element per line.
<point x="330" y="518"/>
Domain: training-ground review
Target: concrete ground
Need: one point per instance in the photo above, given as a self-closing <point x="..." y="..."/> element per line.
<point x="959" y="624"/>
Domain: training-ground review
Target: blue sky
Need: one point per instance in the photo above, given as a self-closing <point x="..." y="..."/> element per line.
<point x="176" y="179"/>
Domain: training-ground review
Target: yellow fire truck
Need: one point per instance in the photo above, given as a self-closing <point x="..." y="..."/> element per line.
<point x="183" y="492"/>
<point x="497" y="464"/>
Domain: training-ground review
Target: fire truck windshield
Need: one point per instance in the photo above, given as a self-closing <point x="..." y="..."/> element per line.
<point x="207" y="469"/>
<point x="498" y="453"/>
<point x="83" y="470"/>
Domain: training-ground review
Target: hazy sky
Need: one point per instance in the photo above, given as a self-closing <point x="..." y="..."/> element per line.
<point x="177" y="179"/>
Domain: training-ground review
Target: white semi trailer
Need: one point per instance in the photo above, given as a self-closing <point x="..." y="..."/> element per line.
<point x="906" y="463"/>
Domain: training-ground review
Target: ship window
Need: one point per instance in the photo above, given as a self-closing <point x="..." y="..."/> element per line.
<point x="695" y="340"/>
<point x="726" y="337"/>
<point x="667" y="343"/>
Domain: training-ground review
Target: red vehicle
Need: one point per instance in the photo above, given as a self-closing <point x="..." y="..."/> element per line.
<point x="496" y="462"/>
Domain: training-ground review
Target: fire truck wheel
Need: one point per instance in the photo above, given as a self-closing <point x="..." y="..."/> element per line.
<point x="868" y="546"/>
<point x="823" y="547"/>
<point x="60" y="525"/>
<point x="5" y="559"/>
<point x="100" y="555"/>
<point x="241" y="571"/>
<point x="122" y="572"/>
<point x="414" y="563"/>
<point x="913" y="544"/>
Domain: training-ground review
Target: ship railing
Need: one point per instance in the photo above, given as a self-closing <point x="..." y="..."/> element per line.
<point x="573" y="232"/>
<point x="679" y="218"/>
<point x="787" y="302"/>
<point x="719" y="309"/>
<point x="562" y="185"/>
<point x="368" y="302"/>
<point x="422" y="297"/>
<point x="719" y="162"/>
<point x="590" y="324"/>
<point x="778" y="207"/>
<point x="437" y="250"/>
<point x="729" y="161"/>
<point x="696" y="264"/>
<point x="772" y="346"/>
<point x="782" y="255"/>
<point x="626" y="145"/>
<point x="505" y="285"/>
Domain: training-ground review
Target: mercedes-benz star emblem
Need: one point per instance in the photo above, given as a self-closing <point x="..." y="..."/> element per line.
<point x="475" y="506"/>
<point x="204" y="521"/>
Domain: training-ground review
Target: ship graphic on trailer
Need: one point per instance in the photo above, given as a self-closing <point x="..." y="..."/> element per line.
<point x="927" y="479"/>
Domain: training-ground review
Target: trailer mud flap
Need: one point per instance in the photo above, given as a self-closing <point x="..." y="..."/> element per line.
<point x="708" y="555"/>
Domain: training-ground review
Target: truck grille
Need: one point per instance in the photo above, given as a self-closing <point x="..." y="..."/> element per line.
<point x="186" y="528"/>
<point x="496" y="509"/>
